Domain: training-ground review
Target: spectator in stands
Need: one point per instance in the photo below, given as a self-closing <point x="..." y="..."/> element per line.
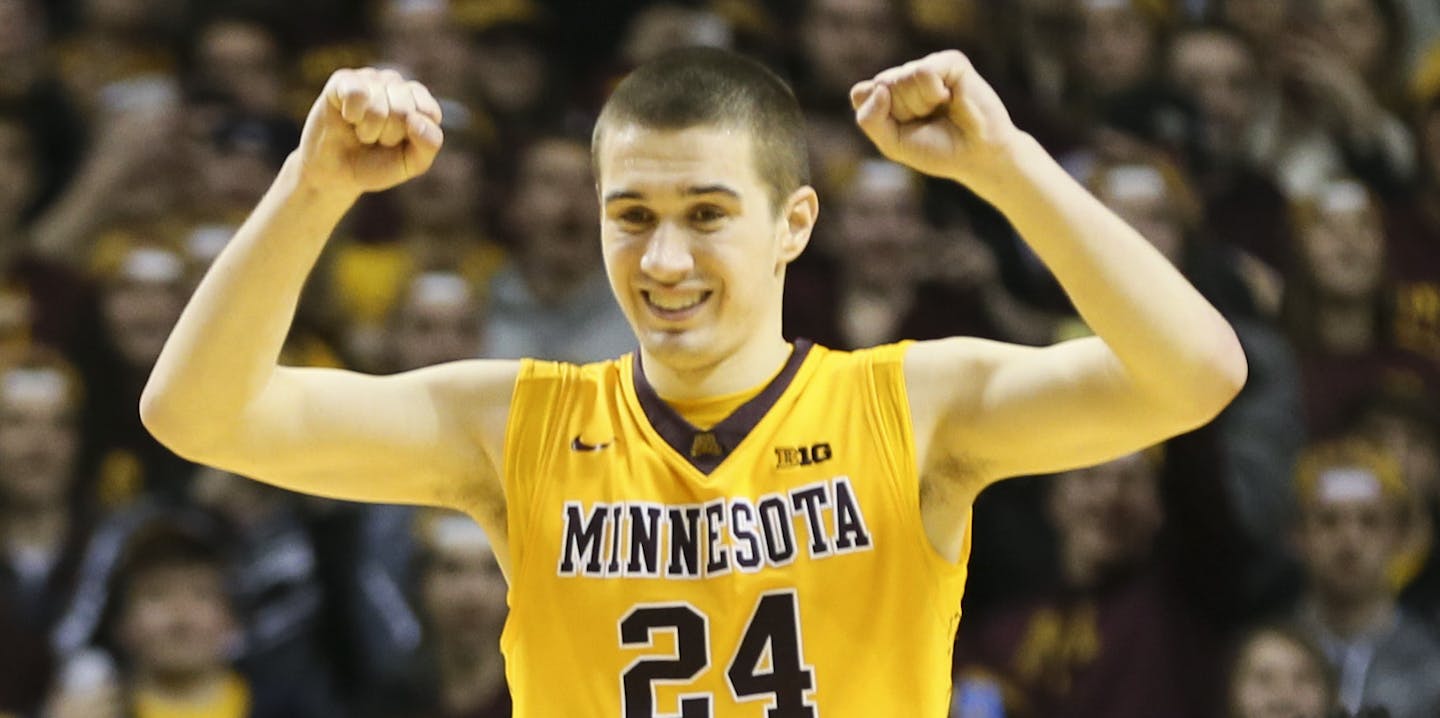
<point x="838" y="41"/>
<point x="1277" y="672"/>
<point x="240" y="60"/>
<point x="275" y="585"/>
<point x="437" y="320"/>
<point x="1214" y="68"/>
<point x="143" y="289"/>
<point x="553" y="300"/>
<point x="885" y="273"/>
<point x="43" y="529"/>
<point x="444" y="225"/>
<point x="1401" y="417"/>
<point x="172" y="626"/>
<point x="1116" y="49"/>
<point x="458" y="672"/>
<point x="1113" y="613"/>
<point x="1352" y="504"/>
<point x="1335" y="301"/>
<point x="31" y="87"/>
<point x="425" y="41"/>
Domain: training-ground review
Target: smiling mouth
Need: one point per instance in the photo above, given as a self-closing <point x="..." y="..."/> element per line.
<point x="675" y="306"/>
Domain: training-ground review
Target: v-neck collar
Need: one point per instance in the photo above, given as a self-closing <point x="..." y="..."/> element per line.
<point x="707" y="449"/>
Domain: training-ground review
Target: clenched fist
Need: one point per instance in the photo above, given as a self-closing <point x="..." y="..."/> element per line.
<point x="368" y="131"/>
<point x="937" y="115"/>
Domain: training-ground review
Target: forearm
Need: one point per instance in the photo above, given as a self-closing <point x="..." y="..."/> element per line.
<point x="1167" y="336"/>
<point x="225" y="347"/>
<point x="60" y="234"/>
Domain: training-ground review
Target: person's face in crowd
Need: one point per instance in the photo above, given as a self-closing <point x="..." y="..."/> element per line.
<point x="156" y="185"/>
<point x="1107" y="515"/>
<point x="447" y="195"/>
<point x="1215" y="70"/>
<point x="694" y="246"/>
<point x="38" y="437"/>
<point x="1275" y="678"/>
<point x="463" y="590"/>
<point x="422" y="41"/>
<point x="1347" y="537"/>
<point x="176" y="621"/>
<point x="1140" y="195"/>
<point x="142" y="303"/>
<point x="1344" y="248"/>
<point x="880" y="225"/>
<point x="17" y="172"/>
<point x="668" y="26"/>
<point x="554" y="207"/>
<point x="232" y="175"/>
<point x="845" y="41"/>
<point x="1357" y="31"/>
<point x="438" y="321"/>
<point x="1115" y="45"/>
<point x="244" y="59"/>
<point x="510" y="71"/>
<point x="1260" y="20"/>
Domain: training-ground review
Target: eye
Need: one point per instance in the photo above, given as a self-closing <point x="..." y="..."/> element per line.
<point x="707" y="215"/>
<point x="635" y="217"/>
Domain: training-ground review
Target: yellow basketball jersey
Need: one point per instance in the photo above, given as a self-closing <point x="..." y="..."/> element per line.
<point x="773" y="566"/>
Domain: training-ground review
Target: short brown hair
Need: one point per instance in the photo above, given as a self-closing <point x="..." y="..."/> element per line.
<point x="706" y="86"/>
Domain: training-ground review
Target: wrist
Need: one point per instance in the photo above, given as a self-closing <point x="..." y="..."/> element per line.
<point x="996" y="172"/>
<point x="295" y="180"/>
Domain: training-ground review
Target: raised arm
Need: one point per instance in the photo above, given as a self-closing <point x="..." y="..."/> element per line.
<point x="1162" y="361"/>
<point x="217" y="395"/>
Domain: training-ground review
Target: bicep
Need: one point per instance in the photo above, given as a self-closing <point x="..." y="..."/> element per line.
<point x="1007" y="410"/>
<point x="430" y="436"/>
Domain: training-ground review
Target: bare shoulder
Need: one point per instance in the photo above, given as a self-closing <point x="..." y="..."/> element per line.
<point x="477" y="390"/>
<point x="944" y="373"/>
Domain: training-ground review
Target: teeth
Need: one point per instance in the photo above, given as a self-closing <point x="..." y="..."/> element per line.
<point x="677" y="302"/>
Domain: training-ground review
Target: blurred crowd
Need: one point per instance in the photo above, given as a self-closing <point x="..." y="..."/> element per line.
<point x="1285" y="154"/>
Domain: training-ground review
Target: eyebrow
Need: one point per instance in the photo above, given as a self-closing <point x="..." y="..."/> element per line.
<point x="689" y="192"/>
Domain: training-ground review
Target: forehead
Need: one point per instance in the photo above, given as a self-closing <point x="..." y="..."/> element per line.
<point x="650" y="161"/>
<point x="32" y="391"/>
<point x="1200" y="51"/>
<point x="556" y="154"/>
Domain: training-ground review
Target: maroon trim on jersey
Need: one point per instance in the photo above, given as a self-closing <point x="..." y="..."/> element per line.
<point x="715" y="445"/>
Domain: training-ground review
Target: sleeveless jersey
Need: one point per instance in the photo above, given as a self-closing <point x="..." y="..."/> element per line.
<point x="773" y="566"/>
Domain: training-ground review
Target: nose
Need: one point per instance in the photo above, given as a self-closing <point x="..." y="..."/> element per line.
<point x="667" y="256"/>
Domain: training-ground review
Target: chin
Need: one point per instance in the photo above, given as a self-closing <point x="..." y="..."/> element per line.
<point x="682" y="350"/>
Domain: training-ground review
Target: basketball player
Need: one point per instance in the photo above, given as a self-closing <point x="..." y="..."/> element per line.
<point x="723" y="523"/>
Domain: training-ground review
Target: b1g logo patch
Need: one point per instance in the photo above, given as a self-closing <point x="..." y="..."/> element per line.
<point x="788" y="457"/>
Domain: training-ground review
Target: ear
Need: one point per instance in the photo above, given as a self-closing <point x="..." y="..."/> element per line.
<point x="798" y="215"/>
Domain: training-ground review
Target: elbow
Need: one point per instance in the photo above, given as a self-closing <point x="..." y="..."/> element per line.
<point x="179" y="430"/>
<point x="1216" y="379"/>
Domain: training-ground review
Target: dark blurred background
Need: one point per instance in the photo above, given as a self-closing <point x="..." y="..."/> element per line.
<point x="1285" y="154"/>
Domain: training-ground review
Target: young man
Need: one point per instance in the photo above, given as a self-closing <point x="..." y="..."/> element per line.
<point x="1353" y="501"/>
<point x="714" y="525"/>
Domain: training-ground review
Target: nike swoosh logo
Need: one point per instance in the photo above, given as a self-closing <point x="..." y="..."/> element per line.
<point x="577" y="445"/>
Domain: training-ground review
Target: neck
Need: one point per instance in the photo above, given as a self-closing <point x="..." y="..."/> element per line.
<point x="35" y="525"/>
<point x="1346" y="327"/>
<point x="182" y="686"/>
<point x="1080" y="569"/>
<point x="747" y="368"/>
<point x="471" y="672"/>
<point x="1352" y="618"/>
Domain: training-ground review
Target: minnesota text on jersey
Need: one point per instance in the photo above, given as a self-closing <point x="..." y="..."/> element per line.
<point x="625" y="538"/>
